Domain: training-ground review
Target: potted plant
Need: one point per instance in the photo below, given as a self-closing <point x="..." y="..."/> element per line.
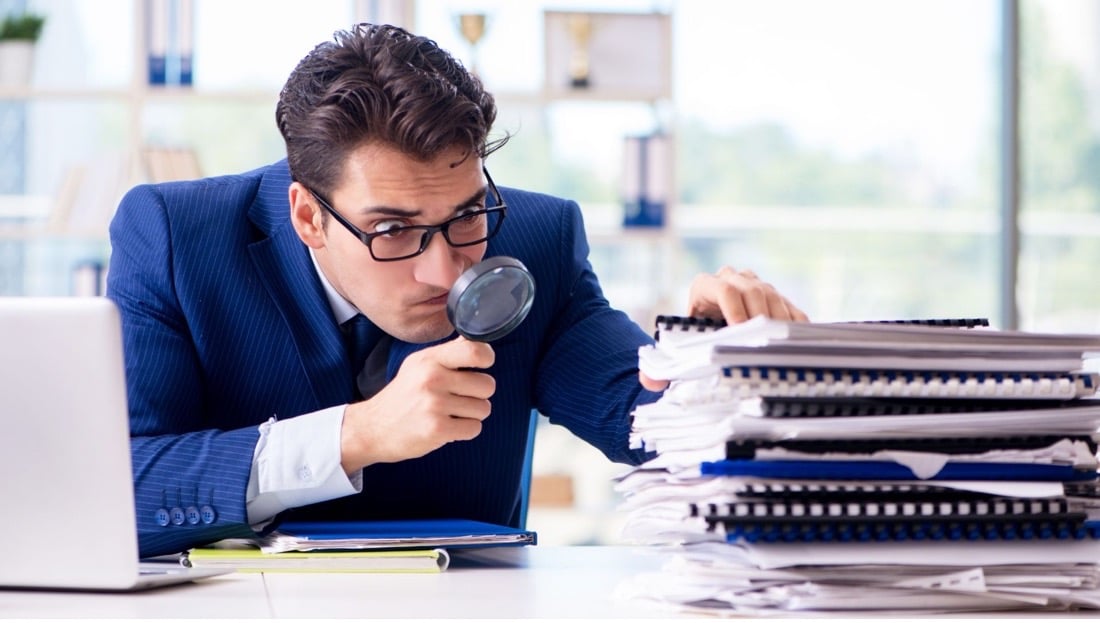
<point x="18" y="34"/>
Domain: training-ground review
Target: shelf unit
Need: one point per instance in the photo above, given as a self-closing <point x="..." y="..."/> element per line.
<point x="628" y="255"/>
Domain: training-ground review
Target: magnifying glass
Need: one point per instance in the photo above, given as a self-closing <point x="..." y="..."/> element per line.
<point x="491" y="298"/>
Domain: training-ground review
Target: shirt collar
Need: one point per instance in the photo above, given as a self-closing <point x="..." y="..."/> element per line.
<point x="342" y="309"/>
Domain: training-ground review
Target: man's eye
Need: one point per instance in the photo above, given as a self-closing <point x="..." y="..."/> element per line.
<point x="388" y="226"/>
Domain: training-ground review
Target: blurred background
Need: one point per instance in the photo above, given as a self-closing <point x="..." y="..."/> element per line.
<point x="872" y="159"/>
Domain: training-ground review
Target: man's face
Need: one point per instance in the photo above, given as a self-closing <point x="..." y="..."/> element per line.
<point x="382" y="188"/>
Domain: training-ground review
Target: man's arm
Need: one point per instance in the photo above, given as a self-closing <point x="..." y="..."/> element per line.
<point x="180" y="460"/>
<point x="587" y="374"/>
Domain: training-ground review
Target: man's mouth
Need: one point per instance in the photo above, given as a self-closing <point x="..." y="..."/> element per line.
<point x="436" y="300"/>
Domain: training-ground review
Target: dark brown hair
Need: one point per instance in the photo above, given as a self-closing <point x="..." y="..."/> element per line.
<point x="379" y="83"/>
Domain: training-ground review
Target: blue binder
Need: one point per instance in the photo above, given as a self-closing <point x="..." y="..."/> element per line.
<point x="394" y="534"/>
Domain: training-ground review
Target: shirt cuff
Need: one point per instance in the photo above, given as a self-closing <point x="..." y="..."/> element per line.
<point x="297" y="463"/>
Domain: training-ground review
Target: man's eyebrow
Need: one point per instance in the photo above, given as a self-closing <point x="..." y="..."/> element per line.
<point x="475" y="199"/>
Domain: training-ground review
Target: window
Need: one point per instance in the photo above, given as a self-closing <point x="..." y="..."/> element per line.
<point x="1060" y="165"/>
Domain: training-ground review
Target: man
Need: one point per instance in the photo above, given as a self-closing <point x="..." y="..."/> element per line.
<point x="250" y="400"/>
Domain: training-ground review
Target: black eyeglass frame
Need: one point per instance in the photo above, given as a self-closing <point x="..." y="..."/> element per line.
<point x="428" y="231"/>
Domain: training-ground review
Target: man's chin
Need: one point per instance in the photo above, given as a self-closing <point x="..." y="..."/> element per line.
<point x="424" y="334"/>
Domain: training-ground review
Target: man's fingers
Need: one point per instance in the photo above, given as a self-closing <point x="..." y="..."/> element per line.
<point x="732" y="303"/>
<point x="469" y="408"/>
<point x="461" y="353"/>
<point x="652" y="385"/>
<point x="737" y="295"/>
<point x="462" y="429"/>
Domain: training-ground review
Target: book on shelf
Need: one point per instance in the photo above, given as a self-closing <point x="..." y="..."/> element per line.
<point x="169" y="164"/>
<point x="156" y="40"/>
<point x="645" y="180"/>
<point x="169" y="42"/>
<point x="90" y="193"/>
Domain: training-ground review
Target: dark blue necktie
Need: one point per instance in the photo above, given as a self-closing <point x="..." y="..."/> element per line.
<point x="361" y="339"/>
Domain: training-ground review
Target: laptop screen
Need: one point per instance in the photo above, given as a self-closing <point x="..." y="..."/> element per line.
<point x="64" y="452"/>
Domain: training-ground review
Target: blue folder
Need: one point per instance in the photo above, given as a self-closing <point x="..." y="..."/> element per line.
<point x="394" y="534"/>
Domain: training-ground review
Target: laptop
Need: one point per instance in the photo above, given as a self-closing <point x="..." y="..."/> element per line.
<point x="68" y="519"/>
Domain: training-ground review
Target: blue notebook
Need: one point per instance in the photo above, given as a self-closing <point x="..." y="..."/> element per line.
<point x="392" y="534"/>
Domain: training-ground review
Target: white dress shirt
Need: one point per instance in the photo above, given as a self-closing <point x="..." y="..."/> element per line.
<point x="297" y="461"/>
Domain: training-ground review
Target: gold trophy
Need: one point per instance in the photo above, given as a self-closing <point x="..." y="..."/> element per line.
<point x="472" y="27"/>
<point x="580" y="29"/>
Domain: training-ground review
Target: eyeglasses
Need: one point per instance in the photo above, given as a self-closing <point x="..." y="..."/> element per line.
<point x="401" y="243"/>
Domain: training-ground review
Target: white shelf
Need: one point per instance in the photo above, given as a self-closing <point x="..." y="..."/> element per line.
<point x="41" y="93"/>
<point x="226" y="95"/>
<point x="138" y="93"/>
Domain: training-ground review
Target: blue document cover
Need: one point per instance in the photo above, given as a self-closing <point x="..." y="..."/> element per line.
<point x="393" y="534"/>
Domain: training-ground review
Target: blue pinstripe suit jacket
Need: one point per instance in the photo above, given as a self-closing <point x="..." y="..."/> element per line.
<point x="225" y="324"/>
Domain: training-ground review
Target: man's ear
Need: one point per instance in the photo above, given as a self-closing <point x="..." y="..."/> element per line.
<point x="305" y="215"/>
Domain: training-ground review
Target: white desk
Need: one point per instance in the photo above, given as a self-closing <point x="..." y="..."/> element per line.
<point x="507" y="583"/>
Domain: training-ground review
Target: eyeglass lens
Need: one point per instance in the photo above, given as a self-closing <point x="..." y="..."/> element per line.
<point x="464" y="230"/>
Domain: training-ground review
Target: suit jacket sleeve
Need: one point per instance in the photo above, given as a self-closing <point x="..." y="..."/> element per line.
<point x="587" y="378"/>
<point x="179" y="461"/>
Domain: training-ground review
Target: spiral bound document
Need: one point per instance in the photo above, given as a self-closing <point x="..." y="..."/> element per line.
<point x="780" y="447"/>
<point x="854" y="406"/>
<point x="793" y="381"/>
<point x="810" y="510"/>
<point x="699" y="324"/>
<point x="844" y="492"/>
<point x="867" y="518"/>
<point x="689" y="352"/>
<point x="813" y="515"/>
<point x="886" y="470"/>
<point x="1042" y="526"/>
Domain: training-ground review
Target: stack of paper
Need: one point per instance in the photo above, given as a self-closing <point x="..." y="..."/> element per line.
<point x="872" y="467"/>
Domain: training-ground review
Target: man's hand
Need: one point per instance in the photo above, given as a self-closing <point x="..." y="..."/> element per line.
<point x="733" y="296"/>
<point x="437" y="397"/>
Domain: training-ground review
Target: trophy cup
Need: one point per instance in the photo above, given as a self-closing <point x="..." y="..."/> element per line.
<point x="580" y="29"/>
<point x="472" y="27"/>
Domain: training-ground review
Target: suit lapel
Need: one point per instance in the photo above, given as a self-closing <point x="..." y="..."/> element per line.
<point x="283" y="264"/>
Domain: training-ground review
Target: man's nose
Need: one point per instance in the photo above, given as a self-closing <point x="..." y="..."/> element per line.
<point x="439" y="264"/>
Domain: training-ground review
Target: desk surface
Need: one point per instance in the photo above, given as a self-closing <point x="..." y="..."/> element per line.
<point x="511" y="583"/>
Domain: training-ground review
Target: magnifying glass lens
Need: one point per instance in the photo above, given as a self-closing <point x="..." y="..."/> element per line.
<point x="491" y="298"/>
